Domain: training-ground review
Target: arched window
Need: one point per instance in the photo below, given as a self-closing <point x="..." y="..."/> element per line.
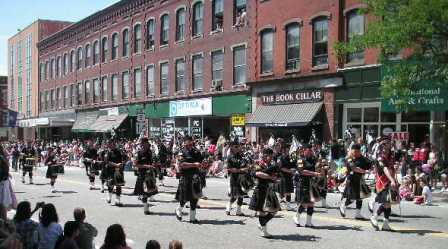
<point x="267" y="51"/>
<point x="355" y="27"/>
<point x="180" y="24"/>
<point x="47" y="69"/>
<point x="104" y="49"/>
<point x="58" y="67"/>
<point x="72" y="61"/>
<point x="79" y="57"/>
<point x="164" y="29"/>
<point x="52" y="68"/>
<point x="96" y="52"/>
<point x="292" y="46"/>
<point x="198" y="18"/>
<point x="218" y="15"/>
<point x="65" y="64"/>
<point x="88" y="53"/>
<point x="320" y="41"/>
<point x="125" y="43"/>
<point x="114" y="46"/>
<point x="137" y="38"/>
<point x="150" y="29"/>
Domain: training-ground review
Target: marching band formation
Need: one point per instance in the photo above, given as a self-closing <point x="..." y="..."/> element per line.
<point x="273" y="174"/>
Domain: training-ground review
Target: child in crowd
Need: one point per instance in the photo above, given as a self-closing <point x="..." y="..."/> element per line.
<point x="426" y="197"/>
<point x="406" y="190"/>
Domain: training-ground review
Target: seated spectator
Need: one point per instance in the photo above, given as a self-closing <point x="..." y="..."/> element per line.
<point x="71" y="232"/>
<point x="217" y="167"/>
<point x="152" y="244"/>
<point x="87" y="232"/>
<point x="175" y="244"/>
<point x="49" y="229"/>
<point x="26" y="228"/>
<point x="406" y="190"/>
<point x="115" y="238"/>
<point x="426" y="197"/>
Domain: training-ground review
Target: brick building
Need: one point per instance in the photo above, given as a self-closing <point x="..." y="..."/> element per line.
<point x="182" y="63"/>
<point x="23" y="72"/>
<point x="3" y="108"/>
<point x="296" y="75"/>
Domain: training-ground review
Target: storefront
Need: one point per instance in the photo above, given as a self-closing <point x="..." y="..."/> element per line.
<point x="284" y="108"/>
<point x="199" y="117"/>
<point x="57" y="126"/>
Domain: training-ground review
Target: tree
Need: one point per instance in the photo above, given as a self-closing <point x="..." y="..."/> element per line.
<point x="417" y="26"/>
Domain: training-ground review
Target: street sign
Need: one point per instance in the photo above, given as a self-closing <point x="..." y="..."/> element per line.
<point x="238" y="120"/>
<point x="196" y="127"/>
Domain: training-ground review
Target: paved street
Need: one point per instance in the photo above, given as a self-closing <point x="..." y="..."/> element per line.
<point x="418" y="227"/>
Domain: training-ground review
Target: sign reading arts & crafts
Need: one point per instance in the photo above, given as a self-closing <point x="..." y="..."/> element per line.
<point x="238" y="120"/>
<point x="427" y="98"/>
<point x="292" y="97"/>
<point x="191" y="107"/>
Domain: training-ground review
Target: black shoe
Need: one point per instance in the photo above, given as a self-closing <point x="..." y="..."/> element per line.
<point x="198" y="207"/>
<point x="102" y="191"/>
<point x="147" y="213"/>
<point x="194" y="222"/>
<point x="228" y="213"/>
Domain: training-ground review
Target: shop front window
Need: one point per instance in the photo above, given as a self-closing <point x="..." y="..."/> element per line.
<point x="415" y="117"/>
<point x="354" y="114"/>
<point x="371" y="114"/>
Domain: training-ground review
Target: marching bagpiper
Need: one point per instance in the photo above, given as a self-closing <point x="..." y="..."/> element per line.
<point x="307" y="192"/>
<point x="237" y="169"/>
<point x="146" y="173"/>
<point x="114" y="172"/>
<point x="28" y="161"/>
<point x="89" y="158"/>
<point x="264" y="200"/>
<point x="286" y="186"/>
<point x="55" y="165"/>
<point x="355" y="186"/>
<point x="189" y="188"/>
<point x="387" y="189"/>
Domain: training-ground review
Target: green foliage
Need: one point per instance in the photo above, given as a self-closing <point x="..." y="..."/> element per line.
<point x="419" y="26"/>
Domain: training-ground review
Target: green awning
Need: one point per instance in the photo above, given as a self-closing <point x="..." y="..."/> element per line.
<point x="84" y="120"/>
<point x="228" y="105"/>
<point x="131" y="110"/>
<point x="157" y="110"/>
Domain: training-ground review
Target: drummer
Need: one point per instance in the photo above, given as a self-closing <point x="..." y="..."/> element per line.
<point x="54" y="163"/>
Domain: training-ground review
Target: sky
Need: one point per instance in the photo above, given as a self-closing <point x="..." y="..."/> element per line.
<point x="18" y="14"/>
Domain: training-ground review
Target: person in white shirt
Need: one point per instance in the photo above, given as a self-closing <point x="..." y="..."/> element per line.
<point x="426" y="192"/>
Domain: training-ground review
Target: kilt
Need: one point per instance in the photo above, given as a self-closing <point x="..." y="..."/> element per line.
<point x="264" y="199"/>
<point x="356" y="188"/>
<point x="138" y="189"/>
<point x="236" y="190"/>
<point x="116" y="179"/>
<point x="52" y="172"/>
<point x="323" y="187"/>
<point x="94" y="168"/>
<point x="388" y="196"/>
<point x="189" y="188"/>
<point x="286" y="185"/>
<point x="105" y="173"/>
<point x="307" y="191"/>
<point x="28" y="164"/>
<point x="149" y="185"/>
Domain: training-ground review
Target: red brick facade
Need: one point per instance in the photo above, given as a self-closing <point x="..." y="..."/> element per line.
<point x="128" y="14"/>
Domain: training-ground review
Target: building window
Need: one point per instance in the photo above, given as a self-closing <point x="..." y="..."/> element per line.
<point x="73" y="96"/>
<point x="87" y="92"/>
<point x="41" y="73"/>
<point x="150" y="28"/>
<point x="79" y="94"/>
<point x="125" y="43"/>
<point x="96" y="91"/>
<point x="88" y="53"/>
<point x="355" y="23"/>
<point x="239" y="65"/>
<point x="218" y="15"/>
<point x="114" y="87"/>
<point x="292" y="47"/>
<point x="239" y="13"/>
<point x="137" y="83"/>
<point x="96" y="52"/>
<point x="198" y="80"/>
<point x="217" y="65"/>
<point x="104" y="48"/>
<point x="180" y="24"/>
<point x="198" y="18"/>
<point x="72" y="61"/>
<point x="164" y="81"/>
<point x="164" y="29"/>
<point x="41" y="102"/>
<point x="150" y="87"/>
<point x="52" y="68"/>
<point x="320" y="41"/>
<point x="267" y="50"/>
<point x="66" y="62"/>
<point x="125" y="85"/>
<point x="47" y="69"/>
<point x="79" y="56"/>
<point x="180" y="75"/>
<point x="104" y="92"/>
<point x="137" y="38"/>
<point x="58" y="99"/>
<point x="67" y="96"/>
<point x="114" y="46"/>
<point x="59" y="67"/>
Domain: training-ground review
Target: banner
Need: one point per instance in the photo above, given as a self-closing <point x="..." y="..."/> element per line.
<point x="192" y="107"/>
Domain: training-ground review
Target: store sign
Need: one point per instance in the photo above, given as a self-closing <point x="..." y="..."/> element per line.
<point x="196" y="127"/>
<point x="154" y="131"/>
<point x="427" y="98"/>
<point x="399" y="136"/>
<point x="168" y="129"/>
<point x="238" y="120"/>
<point x="193" y="107"/>
<point x="292" y="97"/>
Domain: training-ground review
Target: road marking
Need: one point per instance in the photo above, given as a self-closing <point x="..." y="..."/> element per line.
<point x="363" y="224"/>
